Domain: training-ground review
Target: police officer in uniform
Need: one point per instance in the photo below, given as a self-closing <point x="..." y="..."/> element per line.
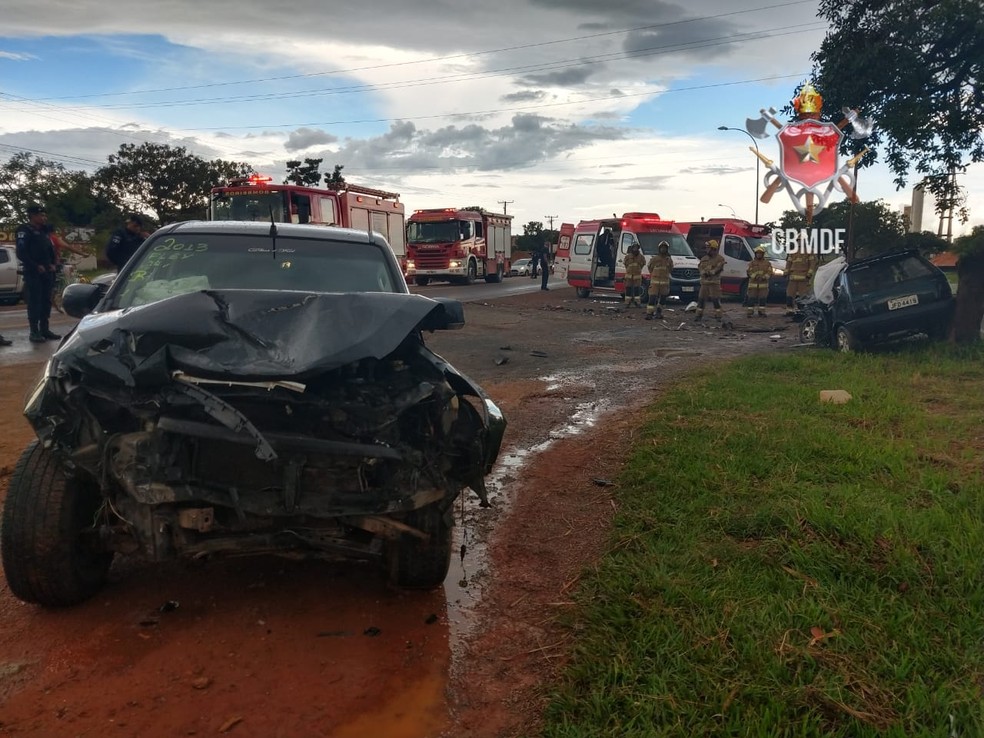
<point x="759" y="272"/>
<point x="125" y="241"/>
<point x="634" y="262"/>
<point x="660" y="267"/>
<point x="37" y="254"/>
<point x="710" y="267"/>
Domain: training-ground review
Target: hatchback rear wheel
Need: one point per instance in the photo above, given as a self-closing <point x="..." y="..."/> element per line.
<point x="846" y="342"/>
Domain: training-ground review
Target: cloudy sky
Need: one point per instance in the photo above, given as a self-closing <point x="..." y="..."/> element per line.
<point x="566" y="108"/>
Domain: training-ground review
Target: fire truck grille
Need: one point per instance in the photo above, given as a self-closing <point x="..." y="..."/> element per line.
<point x="686" y="274"/>
<point x="434" y="261"/>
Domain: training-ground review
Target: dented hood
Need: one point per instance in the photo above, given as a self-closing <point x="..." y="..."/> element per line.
<point x="243" y="334"/>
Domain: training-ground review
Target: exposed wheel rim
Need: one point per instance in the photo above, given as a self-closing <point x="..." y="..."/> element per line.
<point x="843" y="341"/>
<point x="808" y="331"/>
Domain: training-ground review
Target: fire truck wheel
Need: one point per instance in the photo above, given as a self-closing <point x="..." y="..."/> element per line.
<point x="497" y="277"/>
<point x="421" y="281"/>
<point x="472" y="274"/>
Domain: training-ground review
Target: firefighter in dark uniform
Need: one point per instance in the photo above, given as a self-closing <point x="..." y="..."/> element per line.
<point x="125" y="241"/>
<point x="710" y="268"/>
<point x="37" y="254"/>
<point x="660" y="267"/>
<point x="759" y="272"/>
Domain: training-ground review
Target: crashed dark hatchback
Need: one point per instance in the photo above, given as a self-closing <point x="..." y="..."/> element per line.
<point x="247" y="388"/>
<point x="880" y="298"/>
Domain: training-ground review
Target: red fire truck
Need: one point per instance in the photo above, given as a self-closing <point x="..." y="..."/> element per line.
<point x="458" y="245"/>
<point x="257" y="198"/>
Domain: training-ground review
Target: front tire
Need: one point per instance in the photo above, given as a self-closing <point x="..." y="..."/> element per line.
<point x="416" y="564"/>
<point x="497" y="277"/>
<point x="421" y="281"/>
<point x="812" y="331"/>
<point x="472" y="273"/>
<point x="46" y="556"/>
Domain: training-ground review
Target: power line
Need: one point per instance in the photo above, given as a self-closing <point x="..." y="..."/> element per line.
<point x="538" y="106"/>
<point x="757" y="35"/>
<point x="436" y="58"/>
<point x="504" y="204"/>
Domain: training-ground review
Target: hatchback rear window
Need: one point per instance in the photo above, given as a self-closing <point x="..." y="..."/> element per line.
<point x="881" y="275"/>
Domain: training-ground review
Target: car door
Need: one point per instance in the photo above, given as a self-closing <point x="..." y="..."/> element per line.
<point x="8" y="271"/>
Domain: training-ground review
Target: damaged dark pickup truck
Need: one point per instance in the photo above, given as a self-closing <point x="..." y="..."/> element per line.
<point x="247" y="388"/>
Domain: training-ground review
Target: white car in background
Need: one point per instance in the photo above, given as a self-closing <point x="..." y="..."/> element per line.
<point x="11" y="279"/>
<point x="520" y="268"/>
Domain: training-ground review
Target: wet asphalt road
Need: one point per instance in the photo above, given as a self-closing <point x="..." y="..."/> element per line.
<point x="481" y="291"/>
<point x="13" y="319"/>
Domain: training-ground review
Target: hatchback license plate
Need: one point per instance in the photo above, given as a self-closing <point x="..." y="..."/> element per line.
<point x="687" y="289"/>
<point x="903" y="302"/>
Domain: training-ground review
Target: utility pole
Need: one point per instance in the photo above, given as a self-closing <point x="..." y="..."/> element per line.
<point x="505" y="203"/>
<point x="551" y="218"/>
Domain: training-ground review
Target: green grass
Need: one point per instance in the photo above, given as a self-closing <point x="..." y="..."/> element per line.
<point x="781" y="567"/>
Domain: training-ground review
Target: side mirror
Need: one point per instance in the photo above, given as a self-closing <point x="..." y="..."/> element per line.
<point x="449" y="316"/>
<point x="79" y="300"/>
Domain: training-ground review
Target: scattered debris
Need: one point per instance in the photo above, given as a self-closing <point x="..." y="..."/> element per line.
<point x="372" y="631"/>
<point x="539" y="354"/>
<point x="603" y="482"/>
<point x="775" y="337"/>
<point x="10" y="669"/>
<point x="231" y="723"/>
<point x="202" y="682"/>
<point x="835" y="397"/>
<point x="505" y="348"/>
<point x="501" y="360"/>
<point x="692" y="307"/>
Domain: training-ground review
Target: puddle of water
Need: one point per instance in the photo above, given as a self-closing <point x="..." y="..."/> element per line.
<point x="465" y="581"/>
<point x="418" y="709"/>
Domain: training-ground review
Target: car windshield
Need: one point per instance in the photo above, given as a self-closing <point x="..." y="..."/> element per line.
<point x="189" y="262"/>
<point x="650" y="243"/>
<point x="265" y="206"/>
<point x="435" y="232"/>
<point x="883" y="274"/>
<point x="521" y="262"/>
<point x="772" y="253"/>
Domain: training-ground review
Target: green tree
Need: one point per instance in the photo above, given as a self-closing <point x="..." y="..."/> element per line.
<point x="164" y="182"/>
<point x="305" y="174"/>
<point x="27" y="179"/>
<point x="335" y="180"/>
<point x="532" y="237"/>
<point x="916" y="67"/>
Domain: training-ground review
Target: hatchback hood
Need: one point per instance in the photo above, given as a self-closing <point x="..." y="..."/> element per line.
<point x="243" y="334"/>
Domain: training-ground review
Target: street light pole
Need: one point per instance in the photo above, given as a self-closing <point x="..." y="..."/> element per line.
<point x="757" y="165"/>
<point x="733" y="213"/>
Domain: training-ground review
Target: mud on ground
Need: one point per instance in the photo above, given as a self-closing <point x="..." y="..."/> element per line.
<point x="273" y="647"/>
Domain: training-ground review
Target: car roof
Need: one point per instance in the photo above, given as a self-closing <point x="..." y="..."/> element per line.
<point x="883" y="256"/>
<point x="294" y="230"/>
